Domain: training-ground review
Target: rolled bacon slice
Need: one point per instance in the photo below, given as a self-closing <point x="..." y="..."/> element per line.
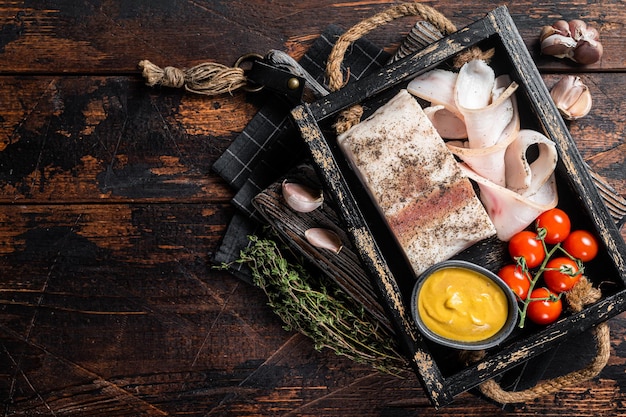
<point x="448" y="125"/>
<point x="521" y="176"/>
<point x="485" y="102"/>
<point x="490" y="161"/>
<point x="437" y="87"/>
<point x="509" y="211"/>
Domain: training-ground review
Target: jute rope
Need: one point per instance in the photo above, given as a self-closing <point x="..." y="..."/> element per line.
<point x="333" y="67"/>
<point x="582" y="294"/>
<point x="208" y="78"/>
<point x="336" y="81"/>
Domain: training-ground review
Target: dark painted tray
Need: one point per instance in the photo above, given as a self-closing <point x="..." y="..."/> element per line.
<point x="442" y="378"/>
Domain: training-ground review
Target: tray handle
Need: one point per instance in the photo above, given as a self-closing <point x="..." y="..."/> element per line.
<point x="336" y="80"/>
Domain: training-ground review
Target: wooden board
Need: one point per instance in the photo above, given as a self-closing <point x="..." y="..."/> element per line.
<point x="109" y="305"/>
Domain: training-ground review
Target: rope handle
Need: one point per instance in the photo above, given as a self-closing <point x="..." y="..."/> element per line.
<point x="582" y="294"/>
<point x="351" y="116"/>
<point x="494" y="391"/>
<point x="427" y="13"/>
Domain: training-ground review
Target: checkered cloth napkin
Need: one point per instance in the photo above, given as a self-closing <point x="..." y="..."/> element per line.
<point x="270" y="144"/>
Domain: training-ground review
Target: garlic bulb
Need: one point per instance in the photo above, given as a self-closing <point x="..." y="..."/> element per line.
<point x="574" y="40"/>
<point x="301" y="198"/>
<point x="324" y="238"/>
<point x="572" y="97"/>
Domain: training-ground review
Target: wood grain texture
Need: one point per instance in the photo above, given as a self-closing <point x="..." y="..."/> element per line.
<point x="111" y="36"/>
<point x="96" y="138"/>
<point x="109" y="213"/>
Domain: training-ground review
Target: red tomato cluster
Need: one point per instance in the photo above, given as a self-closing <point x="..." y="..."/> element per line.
<point x="559" y="266"/>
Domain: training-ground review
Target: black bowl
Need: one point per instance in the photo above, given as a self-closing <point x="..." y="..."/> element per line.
<point x="489" y="342"/>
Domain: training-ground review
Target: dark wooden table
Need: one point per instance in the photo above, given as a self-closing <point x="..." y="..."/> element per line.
<point x="109" y="213"/>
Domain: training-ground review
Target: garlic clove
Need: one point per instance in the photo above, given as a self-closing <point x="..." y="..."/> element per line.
<point x="572" y="97"/>
<point x="580" y="30"/>
<point x="562" y="27"/>
<point x="591" y="33"/>
<point x="302" y="198"/>
<point x="558" y="46"/>
<point x="587" y="51"/>
<point x="577" y="28"/>
<point x="324" y="238"/>
<point x="548" y="31"/>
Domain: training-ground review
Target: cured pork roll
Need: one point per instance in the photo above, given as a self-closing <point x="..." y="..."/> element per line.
<point x="416" y="183"/>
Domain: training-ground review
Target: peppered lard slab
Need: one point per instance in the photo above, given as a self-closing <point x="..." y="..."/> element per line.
<point x="417" y="185"/>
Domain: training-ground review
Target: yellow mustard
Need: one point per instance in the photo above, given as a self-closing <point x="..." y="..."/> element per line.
<point x="462" y="305"/>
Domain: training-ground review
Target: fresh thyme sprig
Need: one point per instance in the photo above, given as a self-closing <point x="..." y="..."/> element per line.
<point x="319" y="309"/>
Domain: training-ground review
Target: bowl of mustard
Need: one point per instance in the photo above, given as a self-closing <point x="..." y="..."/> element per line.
<point x="464" y="306"/>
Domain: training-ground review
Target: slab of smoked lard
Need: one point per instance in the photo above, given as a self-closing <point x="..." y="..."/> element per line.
<point x="428" y="202"/>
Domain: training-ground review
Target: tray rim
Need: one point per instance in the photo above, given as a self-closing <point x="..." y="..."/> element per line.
<point x="441" y="390"/>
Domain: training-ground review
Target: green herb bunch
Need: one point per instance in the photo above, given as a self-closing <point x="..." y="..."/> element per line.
<point x="319" y="309"/>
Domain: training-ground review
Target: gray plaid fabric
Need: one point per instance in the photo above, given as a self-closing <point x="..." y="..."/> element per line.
<point x="270" y="145"/>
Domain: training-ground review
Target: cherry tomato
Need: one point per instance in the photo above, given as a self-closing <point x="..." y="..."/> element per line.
<point x="561" y="274"/>
<point x="544" y="311"/>
<point x="517" y="280"/>
<point x="556" y="223"/>
<point x="581" y="245"/>
<point x="527" y="244"/>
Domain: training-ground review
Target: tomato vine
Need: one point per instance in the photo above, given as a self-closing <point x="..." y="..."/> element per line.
<point x="555" y="268"/>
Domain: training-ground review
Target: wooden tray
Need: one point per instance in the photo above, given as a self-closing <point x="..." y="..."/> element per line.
<point x="392" y="277"/>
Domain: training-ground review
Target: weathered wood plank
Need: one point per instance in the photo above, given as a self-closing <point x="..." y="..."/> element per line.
<point x="112" y="138"/>
<point x="109" y="212"/>
<point x="138" y="233"/>
<point x="114" y="309"/>
<point x="112" y="36"/>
